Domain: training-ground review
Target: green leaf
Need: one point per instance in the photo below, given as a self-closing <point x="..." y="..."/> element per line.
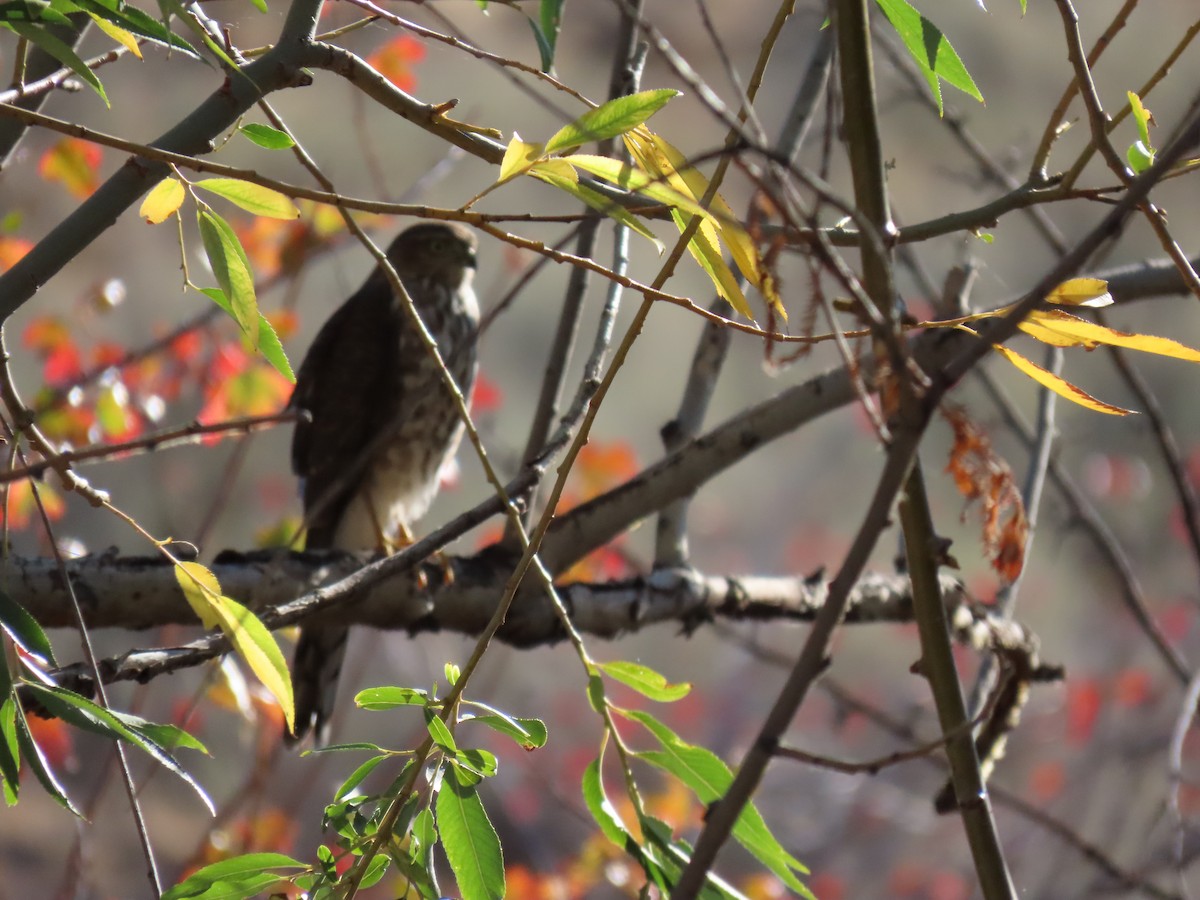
<point x="83" y="713"/>
<point x="132" y="19"/>
<point x="267" y="137"/>
<point x="601" y="807"/>
<point x="529" y="733"/>
<point x="269" y="344"/>
<point x="470" y="841"/>
<point x="24" y="630"/>
<point x="709" y="778"/>
<point x="62" y="52"/>
<point x="481" y="762"/>
<point x="613" y="118"/>
<point x="439" y="732"/>
<point x="10" y="754"/>
<point x="32" y="754"/>
<point x="169" y="737"/>
<point x="231" y="269"/>
<point x="358" y="775"/>
<point x="930" y="49"/>
<point x="31" y="11"/>
<point x="545" y="30"/>
<point x="646" y="681"/>
<point x="380" y="698"/>
<point x="253" y="198"/>
<point x="261" y="6"/>
<point x="595" y="691"/>
<point x="233" y="878"/>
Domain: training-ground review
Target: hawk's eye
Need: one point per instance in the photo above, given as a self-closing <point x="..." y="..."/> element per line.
<point x="439" y="246"/>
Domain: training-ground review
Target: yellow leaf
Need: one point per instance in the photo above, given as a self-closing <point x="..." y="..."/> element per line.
<point x="1088" y="334"/>
<point x="596" y="201"/>
<point x="250" y="638"/>
<point x="633" y="179"/>
<point x="1060" y="386"/>
<point x="201" y="588"/>
<point x="732" y="234"/>
<point x="118" y="34"/>
<point x="559" y="168"/>
<point x="706" y="250"/>
<point x="518" y="158"/>
<point x="164" y="198"/>
<point x="1081" y="292"/>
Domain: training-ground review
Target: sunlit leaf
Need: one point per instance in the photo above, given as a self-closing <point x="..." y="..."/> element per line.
<point x="1090" y="334"/>
<point x="709" y="778"/>
<point x="930" y="49"/>
<point x="267" y="137"/>
<point x="118" y="34"/>
<point x="382" y="698"/>
<point x="232" y="270"/>
<point x="163" y="200"/>
<point x="1060" y="386"/>
<point x="254" y="198"/>
<point x="129" y="18"/>
<point x="599" y="202"/>
<point x="250" y="638"/>
<point x="613" y="118"/>
<point x="269" y="344"/>
<point x="631" y="179"/>
<point x="1091" y="292"/>
<point x="518" y="157"/>
<point x="470" y="841"/>
<point x="31" y="11"/>
<point x="233" y="877"/>
<point x="439" y="732"/>
<point x="645" y="681"/>
<point x="31" y="753"/>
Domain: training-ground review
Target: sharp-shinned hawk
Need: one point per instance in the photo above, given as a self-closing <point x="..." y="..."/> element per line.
<point x="382" y="423"/>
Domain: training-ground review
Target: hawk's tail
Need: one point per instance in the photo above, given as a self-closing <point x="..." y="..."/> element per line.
<point x="315" y="670"/>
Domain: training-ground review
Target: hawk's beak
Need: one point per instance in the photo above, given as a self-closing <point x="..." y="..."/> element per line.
<point x="470" y="260"/>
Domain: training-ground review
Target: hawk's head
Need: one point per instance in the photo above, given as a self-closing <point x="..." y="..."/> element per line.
<point x="443" y="252"/>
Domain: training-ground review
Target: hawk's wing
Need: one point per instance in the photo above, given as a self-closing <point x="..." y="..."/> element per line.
<point x="348" y="383"/>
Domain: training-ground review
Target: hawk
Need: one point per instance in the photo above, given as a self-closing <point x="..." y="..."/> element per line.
<point x="381" y="425"/>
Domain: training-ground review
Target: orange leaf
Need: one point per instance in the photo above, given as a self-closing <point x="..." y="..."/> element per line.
<point x="395" y="59"/>
<point x="11" y="251"/>
<point x="74" y="162"/>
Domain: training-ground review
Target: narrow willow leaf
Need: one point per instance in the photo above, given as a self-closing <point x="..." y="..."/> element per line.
<point x="118" y="34"/>
<point x="267" y="137"/>
<point x="84" y="713"/>
<point x="599" y="202"/>
<point x="929" y="49"/>
<point x="32" y="11"/>
<point x="269" y="344"/>
<point x="164" y="199"/>
<point x="10" y="759"/>
<point x="132" y="19"/>
<point x="709" y="778"/>
<point x="601" y="807"/>
<point x="728" y="229"/>
<point x="24" y="630"/>
<point x="254" y="198"/>
<point x="32" y="754"/>
<point x="1091" y="292"/>
<point x="646" y="681"/>
<point x="232" y="270"/>
<point x="250" y="638"/>
<point x="631" y="179"/>
<point x="225" y="878"/>
<point x="519" y="156"/>
<point x="42" y="38"/>
<point x="381" y="698"/>
<point x="610" y="120"/>
<point x="706" y="250"/>
<point x="1089" y="334"/>
<point x="201" y="590"/>
<point x="1060" y="386"/>
<point x="359" y="775"/>
<point x="470" y="841"/>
